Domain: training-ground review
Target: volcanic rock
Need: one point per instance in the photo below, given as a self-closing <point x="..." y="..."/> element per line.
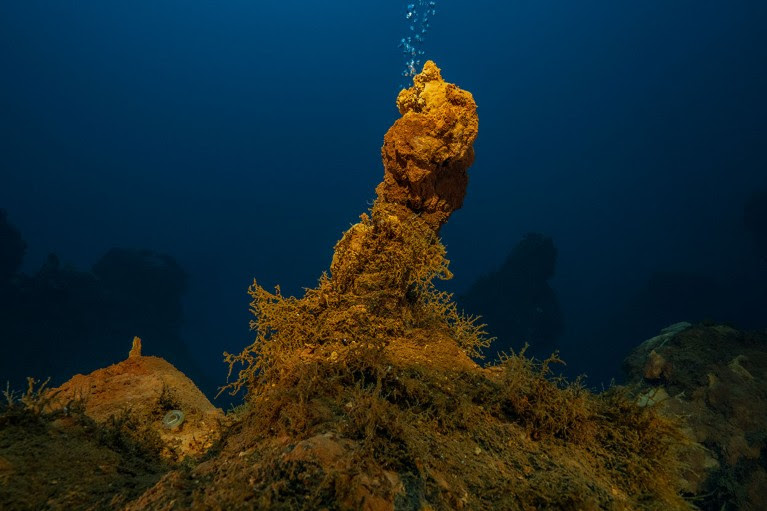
<point x="148" y="388"/>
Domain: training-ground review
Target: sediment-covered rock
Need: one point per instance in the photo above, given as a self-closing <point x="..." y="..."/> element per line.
<point x="156" y="396"/>
<point x="59" y="459"/>
<point x="364" y="395"/>
<point x="715" y="377"/>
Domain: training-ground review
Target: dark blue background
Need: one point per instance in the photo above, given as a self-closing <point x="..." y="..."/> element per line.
<point x="243" y="137"/>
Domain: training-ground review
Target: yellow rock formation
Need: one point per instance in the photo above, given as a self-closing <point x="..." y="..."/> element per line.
<point x="427" y="151"/>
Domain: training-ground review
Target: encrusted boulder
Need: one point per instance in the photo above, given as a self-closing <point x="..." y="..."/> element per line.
<point x="156" y="395"/>
<point x="714" y="377"/>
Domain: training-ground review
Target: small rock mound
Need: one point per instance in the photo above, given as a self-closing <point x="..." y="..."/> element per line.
<point x="149" y="389"/>
<point x="57" y="458"/>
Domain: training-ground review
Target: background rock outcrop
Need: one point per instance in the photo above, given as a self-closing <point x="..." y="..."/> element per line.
<point x="92" y="313"/>
<point x="517" y="301"/>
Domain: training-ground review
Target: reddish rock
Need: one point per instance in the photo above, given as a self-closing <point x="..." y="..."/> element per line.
<point x="718" y="386"/>
<point x="656" y="367"/>
<point x="427" y="151"/>
<point x="148" y="388"/>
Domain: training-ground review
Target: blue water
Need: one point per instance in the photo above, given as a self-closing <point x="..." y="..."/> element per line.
<point x="418" y="16"/>
<point x="242" y="138"/>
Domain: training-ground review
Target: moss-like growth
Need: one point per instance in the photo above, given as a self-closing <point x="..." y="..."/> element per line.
<point x="364" y="393"/>
<point x="381" y="292"/>
<point x="53" y="456"/>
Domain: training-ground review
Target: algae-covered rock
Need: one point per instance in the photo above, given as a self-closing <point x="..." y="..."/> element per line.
<point x="60" y="459"/>
<point x="364" y="392"/>
<point x="147" y="389"/>
<point x="715" y="377"/>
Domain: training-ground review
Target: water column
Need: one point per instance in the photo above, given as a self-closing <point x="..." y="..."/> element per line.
<point x="417" y="15"/>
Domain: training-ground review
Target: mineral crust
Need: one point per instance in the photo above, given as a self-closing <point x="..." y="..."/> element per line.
<point x="427" y="151"/>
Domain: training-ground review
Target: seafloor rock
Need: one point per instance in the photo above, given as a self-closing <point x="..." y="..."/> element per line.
<point x="152" y="392"/>
<point x="716" y="378"/>
<point x="363" y="395"/>
<point x="62" y="460"/>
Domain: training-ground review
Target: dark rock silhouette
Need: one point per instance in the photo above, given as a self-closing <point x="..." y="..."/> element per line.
<point x="735" y="298"/>
<point x="517" y="302"/>
<point x="671" y="296"/>
<point x="710" y="375"/>
<point x="61" y="321"/>
<point x="665" y="298"/>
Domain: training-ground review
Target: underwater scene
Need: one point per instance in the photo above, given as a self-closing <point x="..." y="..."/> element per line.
<point x="383" y="256"/>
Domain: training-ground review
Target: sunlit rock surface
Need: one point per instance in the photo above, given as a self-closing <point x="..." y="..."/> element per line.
<point x="427" y="152"/>
<point x="148" y="388"/>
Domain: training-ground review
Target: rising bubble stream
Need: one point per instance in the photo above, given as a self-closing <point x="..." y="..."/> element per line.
<point x="417" y="15"/>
